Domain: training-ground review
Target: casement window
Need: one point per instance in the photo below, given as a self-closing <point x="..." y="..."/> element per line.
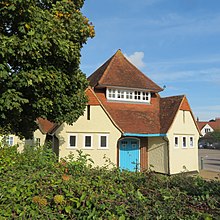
<point x="191" y="141"/>
<point x="128" y="95"/>
<point x="184" y="142"/>
<point x="37" y="141"/>
<point x="207" y="130"/>
<point x="137" y="95"/>
<point x="88" y="141"/>
<point x="103" y="141"/>
<point x="10" y="140"/>
<point x="145" y="96"/>
<point x="176" y="141"/>
<point x="111" y="93"/>
<point x="72" y="143"/>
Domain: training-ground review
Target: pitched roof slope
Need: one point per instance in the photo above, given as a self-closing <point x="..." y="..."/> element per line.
<point x="201" y="124"/>
<point x="118" y="71"/>
<point x="92" y="99"/>
<point x="215" y="124"/>
<point x="168" y="109"/>
<point x="132" y="117"/>
<point x="45" y="125"/>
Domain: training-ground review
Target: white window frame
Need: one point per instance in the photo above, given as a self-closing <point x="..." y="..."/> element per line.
<point x="184" y="137"/>
<point x="10" y="140"/>
<point x="84" y="141"/>
<point x="103" y="135"/>
<point x="37" y="141"/>
<point x="76" y="139"/>
<point x="207" y="130"/>
<point x="191" y="143"/>
<point x="128" y="95"/>
<point x="178" y="141"/>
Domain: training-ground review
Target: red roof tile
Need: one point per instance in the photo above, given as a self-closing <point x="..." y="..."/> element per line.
<point x="92" y="99"/>
<point x="45" y="125"/>
<point x="185" y="105"/>
<point x="118" y="71"/>
<point x="214" y="124"/>
<point x="133" y="117"/>
<point x="168" y="109"/>
<point x="201" y="124"/>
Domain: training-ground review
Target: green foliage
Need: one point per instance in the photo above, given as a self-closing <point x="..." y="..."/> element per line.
<point x="35" y="186"/>
<point x="215" y="135"/>
<point x="39" y="62"/>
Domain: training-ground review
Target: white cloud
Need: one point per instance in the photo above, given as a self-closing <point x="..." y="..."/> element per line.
<point x="160" y="73"/>
<point x="137" y="59"/>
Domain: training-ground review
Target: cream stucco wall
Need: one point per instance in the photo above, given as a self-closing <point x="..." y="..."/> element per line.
<point x="99" y="124"/>
<point x="183" y="158"/>
<point x="36" y="134"/>
<point x="157" y="154"/>
<point x="16" y="141"/>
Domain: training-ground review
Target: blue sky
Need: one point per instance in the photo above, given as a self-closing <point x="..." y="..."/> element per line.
<point x="176" y="43"/>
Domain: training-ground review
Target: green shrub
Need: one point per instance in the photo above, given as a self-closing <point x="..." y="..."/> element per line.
<point x="34" y="185"/>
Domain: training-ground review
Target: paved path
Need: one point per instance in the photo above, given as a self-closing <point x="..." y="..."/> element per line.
<point x="209" y="175"/>
<point x="209" y="160"/>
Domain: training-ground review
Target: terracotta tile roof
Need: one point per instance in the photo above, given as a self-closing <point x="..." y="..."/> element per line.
<point x="45" y="126"/>
<point x="118" y="71"/>
<point x="92" y="99"/>
<point x="133" y="117"/>
<point x="185" y="105"/>
<point x="168" y="109"/>
<point x="201" y="124"/>
<point x="214" y="124"/>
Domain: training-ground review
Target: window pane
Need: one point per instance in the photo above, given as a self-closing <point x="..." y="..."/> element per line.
<point x="119" y="94"/>
<point x="88" y="141"/>
<point x="184" y="141"/>
<point x="10" y="140"/>
<point x="38" y="141"/>
<point x="72" y="141"/>
<point x="129" y="95"/>
<point x="145" y="95"/>
<point x="191" y="141"/>
<point x="137" y="95"/>
<point x="176" y="141"/>
<point x="103" y="141"/>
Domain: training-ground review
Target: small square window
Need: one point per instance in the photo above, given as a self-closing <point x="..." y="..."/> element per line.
<point x="72" y="140"/>
<point x="88" y="141"/>
<point x="9" y="140"/>
<point x="137" y="95"/>
<point x="129" y="95"/>
<point x="103" y="141"/>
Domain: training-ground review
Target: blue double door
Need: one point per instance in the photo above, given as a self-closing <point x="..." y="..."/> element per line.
<point x="129" y="154"/>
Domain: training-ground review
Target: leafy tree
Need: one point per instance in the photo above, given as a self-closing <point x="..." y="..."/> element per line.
<point x="40" y="44"/>
<point x="215" y="135"/>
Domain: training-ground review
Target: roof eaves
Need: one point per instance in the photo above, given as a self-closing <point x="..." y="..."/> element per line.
<point x="53" y="129"/>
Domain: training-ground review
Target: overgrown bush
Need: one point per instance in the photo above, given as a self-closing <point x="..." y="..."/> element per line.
<point x="34" y="185"/>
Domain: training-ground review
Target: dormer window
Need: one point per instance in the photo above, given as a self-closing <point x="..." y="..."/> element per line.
<point x="128" y="95"/>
